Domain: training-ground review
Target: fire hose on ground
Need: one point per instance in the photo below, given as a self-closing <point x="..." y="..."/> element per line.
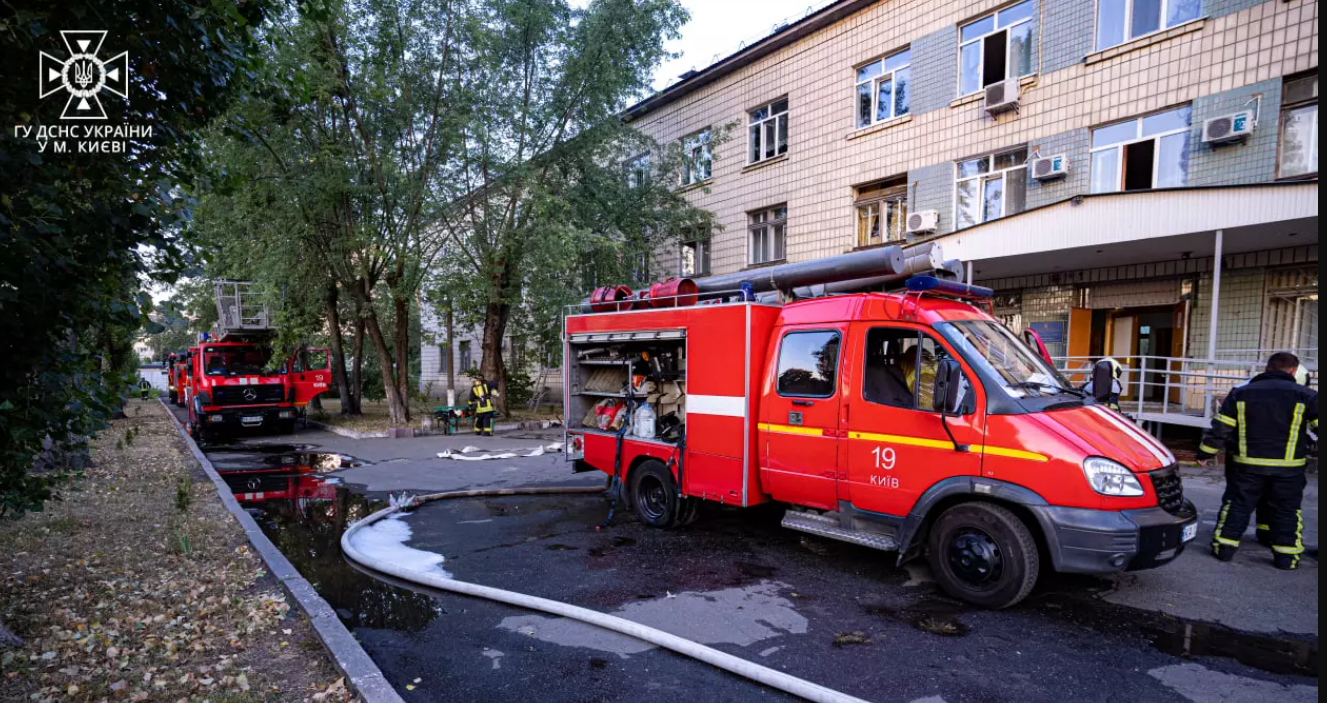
<point x="750" y="670"/>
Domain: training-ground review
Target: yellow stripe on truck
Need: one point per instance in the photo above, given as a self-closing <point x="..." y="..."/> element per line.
<point x="791" y="429"/>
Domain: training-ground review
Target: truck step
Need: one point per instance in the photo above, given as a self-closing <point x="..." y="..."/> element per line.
<point x="828" y="526"/>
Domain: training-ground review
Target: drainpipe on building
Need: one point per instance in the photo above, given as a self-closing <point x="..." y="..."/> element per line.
<point x="1211" y="332"/>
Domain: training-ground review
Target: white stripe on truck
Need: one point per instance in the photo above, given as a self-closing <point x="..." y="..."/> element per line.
<point x="1161" y="454"/>
<point x="726" y="405"/>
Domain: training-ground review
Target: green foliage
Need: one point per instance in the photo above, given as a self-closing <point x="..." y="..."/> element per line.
<point x="79" y="232"/>
<point x="184" y="494"/>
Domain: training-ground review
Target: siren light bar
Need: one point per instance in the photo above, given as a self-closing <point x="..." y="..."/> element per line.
<point x="952" y="289"/>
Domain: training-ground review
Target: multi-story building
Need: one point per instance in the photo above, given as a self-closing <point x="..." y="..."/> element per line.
<point x="1135" y="178"/>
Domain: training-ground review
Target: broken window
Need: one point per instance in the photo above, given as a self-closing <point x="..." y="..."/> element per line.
<point x="1142" y="153"/>
<point x="995" y="48"/>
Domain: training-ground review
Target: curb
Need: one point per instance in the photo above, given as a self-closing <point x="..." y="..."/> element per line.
<point x="359" y="669"/>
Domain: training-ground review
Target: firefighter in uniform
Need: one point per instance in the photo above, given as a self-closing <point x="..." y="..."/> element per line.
<point x="1266" y="424"/>
<point x="144" y="388"/>
<point x="481" y="404"/>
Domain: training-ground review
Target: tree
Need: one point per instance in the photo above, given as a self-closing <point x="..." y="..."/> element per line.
<point x="338" y="150"/>
<point x="74" y="227"/>
<point x="538" y="199"/>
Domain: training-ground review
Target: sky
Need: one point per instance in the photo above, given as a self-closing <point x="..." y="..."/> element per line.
<point x="717" y="27"/>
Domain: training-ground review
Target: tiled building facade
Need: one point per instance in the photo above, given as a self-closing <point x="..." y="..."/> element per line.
<point x="1088" y="71"/>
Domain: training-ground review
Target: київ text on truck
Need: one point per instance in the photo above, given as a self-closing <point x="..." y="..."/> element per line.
<point x="911" y="422"/>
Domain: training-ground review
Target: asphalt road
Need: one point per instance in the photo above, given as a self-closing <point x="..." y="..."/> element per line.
<point x="836" y="614"/>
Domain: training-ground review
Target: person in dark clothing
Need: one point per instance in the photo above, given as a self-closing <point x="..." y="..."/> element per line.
<point x="1266" y="424"/>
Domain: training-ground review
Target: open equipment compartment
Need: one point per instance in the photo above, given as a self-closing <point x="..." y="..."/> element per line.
<point x="611" y="374"/>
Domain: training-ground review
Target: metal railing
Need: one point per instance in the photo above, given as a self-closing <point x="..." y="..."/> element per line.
<point x="1170" y="390"/>
<point x="240" y="307"/>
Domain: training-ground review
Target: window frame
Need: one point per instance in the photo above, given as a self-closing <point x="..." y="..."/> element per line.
<point x="637" y="170"/>
<point x="767" y="224"/>
<point x="981" y="40"/>
<point x="1118" y="147"/>
<point x="758" y="126"/>
<point x="882" y="199"/>
<point x="704" y="139"/>
<point x="1286" y="109"/>
<point x="874" y="82"/>
<point x="988" y="175"/>
<point x="704" y="252"/>
<point x="1128" y="23"/>
<point x="838" y="361"/>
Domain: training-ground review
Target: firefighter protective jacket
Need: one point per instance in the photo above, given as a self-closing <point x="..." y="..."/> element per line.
<point x="481" y="397"/>
<point x="1265" y="424"/>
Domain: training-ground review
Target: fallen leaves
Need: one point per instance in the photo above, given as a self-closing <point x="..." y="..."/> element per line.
<point x="112" y="609"/>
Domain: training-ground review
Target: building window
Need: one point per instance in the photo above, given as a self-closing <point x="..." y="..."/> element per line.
<point x="766" y="235"/>
<point x="638" y="170"/>
<point x="466" y="362"/>
<point x="444" y="358"/>
<point x="696" y="157"/>
<point x="695" y="257"/>
<point x="882" y="212"/>
<point x="990" y="187"/>
<point x="1143" y="153"/>
<point x="1119" y="21"/>
<point x="1299" y="128"/>
<point x="995" y="48"/>
<point x="883" y="89"/>
<point x="768" y="134"/>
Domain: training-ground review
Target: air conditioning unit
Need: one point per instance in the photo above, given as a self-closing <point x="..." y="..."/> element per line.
<point x="1229" y="128"/>
<point x="1002" y="96"/>
<point x="923" y="222"/>
<point x="1050" y="167"/>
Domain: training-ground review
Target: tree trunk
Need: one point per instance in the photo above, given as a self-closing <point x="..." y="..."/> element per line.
<point x="338" y="351"/>
<point x="401" y="310"/>
<point x="356" y="373"/>
<point x="492" y="367"/>
<point x="396" y="414"/>
<point x="451" y="351"/>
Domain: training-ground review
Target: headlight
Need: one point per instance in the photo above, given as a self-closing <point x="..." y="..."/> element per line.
<point x="1111" y="478"/>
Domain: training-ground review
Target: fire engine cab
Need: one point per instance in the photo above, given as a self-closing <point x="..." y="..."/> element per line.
<point x="235" y="380"/>
<point x="910" y="422"/>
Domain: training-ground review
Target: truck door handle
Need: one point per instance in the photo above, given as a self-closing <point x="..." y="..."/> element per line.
<point x="803" y="403"/>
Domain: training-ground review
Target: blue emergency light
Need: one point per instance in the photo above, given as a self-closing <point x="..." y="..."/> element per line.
<point x="952" y="289"/>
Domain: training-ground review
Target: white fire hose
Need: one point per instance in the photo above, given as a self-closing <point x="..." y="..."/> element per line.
<point x="741" y="667"/>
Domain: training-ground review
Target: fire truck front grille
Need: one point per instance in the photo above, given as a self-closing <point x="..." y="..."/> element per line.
<point x="1169" y="488"/>
<point x="248" y="395"/>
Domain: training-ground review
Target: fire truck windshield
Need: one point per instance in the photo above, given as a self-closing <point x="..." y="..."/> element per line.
<point x="1000" y="355"/>
<point x="238" y="360"/>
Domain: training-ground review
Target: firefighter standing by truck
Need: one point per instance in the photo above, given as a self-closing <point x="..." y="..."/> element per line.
<point x="481" y="404"/>
<point x="1267" y="423"/>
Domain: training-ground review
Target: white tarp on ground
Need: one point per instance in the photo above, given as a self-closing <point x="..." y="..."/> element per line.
<point x="468" y="453"/>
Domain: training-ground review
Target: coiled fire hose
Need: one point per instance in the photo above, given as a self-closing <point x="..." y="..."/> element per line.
<point x="750" y="670"/>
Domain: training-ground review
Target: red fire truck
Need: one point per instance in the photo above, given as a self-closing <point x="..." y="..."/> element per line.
<point x="910" y="422"/>
<point x="235" y="381"/>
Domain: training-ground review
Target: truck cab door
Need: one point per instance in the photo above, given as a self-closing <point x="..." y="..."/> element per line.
<point x="310" y="373"/>
<point x="897" y="445"/>
<point x="799" y="421"/>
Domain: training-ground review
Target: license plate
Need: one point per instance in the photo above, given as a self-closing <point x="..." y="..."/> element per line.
<point x="1190" y="532"/>
<point x="247" y="419"/>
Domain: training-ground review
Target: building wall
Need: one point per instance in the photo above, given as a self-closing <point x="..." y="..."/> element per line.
<point x="1238" y="47"/>
<point x="1250" y="161"/>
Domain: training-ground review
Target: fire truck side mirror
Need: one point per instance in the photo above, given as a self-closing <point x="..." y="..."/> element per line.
<point x="947" y="391"/>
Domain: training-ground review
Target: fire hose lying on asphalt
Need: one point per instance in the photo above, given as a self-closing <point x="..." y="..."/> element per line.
<point x="741" y="667"/>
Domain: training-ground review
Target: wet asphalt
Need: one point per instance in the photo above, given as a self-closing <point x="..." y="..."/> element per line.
<point x="836" y="614"/>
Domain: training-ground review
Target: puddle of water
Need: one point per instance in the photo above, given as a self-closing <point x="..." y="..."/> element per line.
<point x="304" y="515"/>
<point x="1171" y="635"/>
<point x="739" y="616"/>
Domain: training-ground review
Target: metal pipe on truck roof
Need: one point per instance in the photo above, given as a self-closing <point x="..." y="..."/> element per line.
<point x="886" y="260"/>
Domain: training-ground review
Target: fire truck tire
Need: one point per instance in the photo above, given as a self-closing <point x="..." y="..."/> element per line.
<point x="983" y="554"/>
<point x="654" y="494"/>
<point x="286" y="427"/>
<point x="172" y="397"/>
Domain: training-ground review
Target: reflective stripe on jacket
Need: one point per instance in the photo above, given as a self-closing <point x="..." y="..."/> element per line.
<point x="1265" y="423"/>
<point x="481" y="396"/>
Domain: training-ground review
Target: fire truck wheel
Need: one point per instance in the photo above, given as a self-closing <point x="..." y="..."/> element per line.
<point x="171" y="396"/>
<point x="654" y="494"/>
<point x="286" y="427"/>
<point x="983" y="554"/>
